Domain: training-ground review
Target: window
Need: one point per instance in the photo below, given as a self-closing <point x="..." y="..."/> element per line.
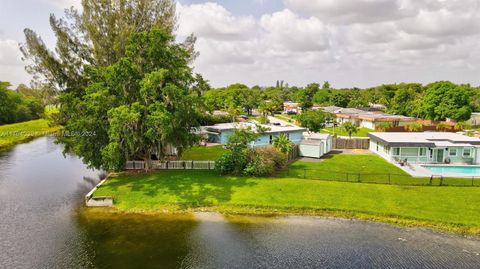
<point x="467" y="152"/>
<point x="377" y="146"/>
<point x="452" y="152"/>
<point x="422" y="152"/>
<point x="396" y="151"/>
<point x="409" y="152"/>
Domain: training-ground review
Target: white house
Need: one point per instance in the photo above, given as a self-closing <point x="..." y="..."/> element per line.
<point x="370" y="119"/>
<point x="474" y="119"/>
<point x="426" y="147"/>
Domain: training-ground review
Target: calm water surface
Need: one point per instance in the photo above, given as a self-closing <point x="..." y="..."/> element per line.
<point x="43" y="225"/>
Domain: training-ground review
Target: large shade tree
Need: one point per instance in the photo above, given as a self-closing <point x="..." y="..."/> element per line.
<point x="444" y="99"/>
<point x="121" y="75"/>
<point x="137" y="107"/>
<point x="95" y="36"/>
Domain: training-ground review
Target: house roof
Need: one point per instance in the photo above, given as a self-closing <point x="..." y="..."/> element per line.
<point x="331" y="109"/>
<point x="427" y="139"/>
<point x="270" y="128"/>
<point x="317" y="136"/>
<point x="311" y="142"/>
<point x="374" y="116"/>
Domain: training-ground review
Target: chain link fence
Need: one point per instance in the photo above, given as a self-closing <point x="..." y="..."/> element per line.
<point x="381" y="178"/>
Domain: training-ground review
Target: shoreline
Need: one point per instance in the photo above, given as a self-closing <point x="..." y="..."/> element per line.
<point x="255" y="211"/>
<point x="34" y="128"/>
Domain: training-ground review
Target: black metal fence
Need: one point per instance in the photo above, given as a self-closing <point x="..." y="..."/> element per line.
<point x="380" y="178"/>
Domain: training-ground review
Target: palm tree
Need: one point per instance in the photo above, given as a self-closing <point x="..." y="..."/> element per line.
<point x="234" y="112"/>
<point x="349" y="128"/>
<point x="282" y="143"/>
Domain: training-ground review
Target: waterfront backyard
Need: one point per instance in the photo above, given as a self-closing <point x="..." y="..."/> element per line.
<point x="447" y="208"/>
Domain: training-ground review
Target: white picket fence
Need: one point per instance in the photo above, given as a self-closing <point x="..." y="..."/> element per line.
<point x="176" y="165"/>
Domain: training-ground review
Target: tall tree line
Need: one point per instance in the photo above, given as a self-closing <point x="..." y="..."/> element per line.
<point x="435" y="101"/>
<point x="22" y="104"/>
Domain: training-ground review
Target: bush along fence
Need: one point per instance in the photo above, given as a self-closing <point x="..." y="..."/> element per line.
<point x="377" y="178"/>
<point x="167" y="165"/>
<point x="353" y="143"/>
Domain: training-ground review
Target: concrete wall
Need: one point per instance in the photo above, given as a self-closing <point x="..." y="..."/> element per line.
<point x="100" y="202"/>
<point x="104" y="201"/>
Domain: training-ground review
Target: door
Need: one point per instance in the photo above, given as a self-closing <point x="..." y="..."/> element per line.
<point x="439" y="155"/>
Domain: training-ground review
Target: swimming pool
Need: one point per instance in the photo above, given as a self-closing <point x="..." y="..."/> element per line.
<point x="451" y="169"/>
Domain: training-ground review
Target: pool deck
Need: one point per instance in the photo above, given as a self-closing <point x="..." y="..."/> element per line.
<point x="417" y="170"/>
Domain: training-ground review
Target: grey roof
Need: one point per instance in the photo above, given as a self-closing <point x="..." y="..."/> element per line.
<point x="311" y="142"/>
<point x="270" y="128"/>
<point x="428" y="139"/>
<point x="331" y="109"/>
<point x="317" y="136"/>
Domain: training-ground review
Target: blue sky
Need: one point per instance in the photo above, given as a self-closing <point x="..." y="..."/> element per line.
<point x="347" y="42"/>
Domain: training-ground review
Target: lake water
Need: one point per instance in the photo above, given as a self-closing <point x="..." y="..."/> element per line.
<point x="43" y="225"/>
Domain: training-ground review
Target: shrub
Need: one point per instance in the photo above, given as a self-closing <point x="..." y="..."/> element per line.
<point x="251" y="162"/>
<point x="259" y="166"/>
<point x="279" y="159"/>
<point x="384" y="126"/>
<point x="442" y="127"/>
<point x="460" y="126"/>
<point x="414" y="127"/>
<point x="231" y="163"/>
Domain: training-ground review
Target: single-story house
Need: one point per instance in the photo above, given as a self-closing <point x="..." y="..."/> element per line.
<point x="315" y="145"/>
<point x="291" y="107"/>
<point x="368" y="119"/>
<point x="426" y="147"/>
<point x="474" y="119"/>
<point x="219" y="133"/>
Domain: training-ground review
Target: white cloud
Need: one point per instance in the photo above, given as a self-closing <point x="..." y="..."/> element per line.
<point x="349" y="42"/>
<point x="211" y="20"/>
<point x="62" y="4"/>
<point x="443" y="22"/>
<point x="352" y="11"/>
<point x="11" y="65"/>
<point x="286" y="31"/>
<point x="10" y="53"/>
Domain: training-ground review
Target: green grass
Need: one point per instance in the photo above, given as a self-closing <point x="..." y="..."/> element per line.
<point x="362" y="132"/>
<point x="365" y="168"/>
<point x="288" y="118"/>
<point x="16" y="133"/>
<point x="199" y="153"/>
<point x="455" y="209"/>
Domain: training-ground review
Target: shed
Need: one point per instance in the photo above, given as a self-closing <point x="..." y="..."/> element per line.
<point x="315" y="145"/>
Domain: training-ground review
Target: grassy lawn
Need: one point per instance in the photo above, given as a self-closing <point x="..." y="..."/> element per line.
<point x="455" y="209"/>
<point x="368" y="168"/>
<point x="289" y="118"/>
<point x="200" y="153"/>
<point x="347" y="167"/>
<point x="16" y="133"/>
<point x="362" y="132"/>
